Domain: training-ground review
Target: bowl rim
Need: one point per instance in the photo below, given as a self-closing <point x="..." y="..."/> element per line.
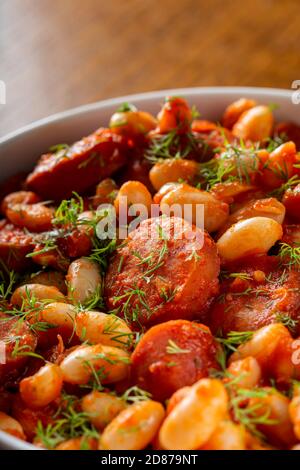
<point x="148" y="96"/>
<point x="11" y="442"/>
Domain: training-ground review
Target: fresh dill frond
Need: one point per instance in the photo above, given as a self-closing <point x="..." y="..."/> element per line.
<point x="68" y="211"/>
<point x="68" y="423"/>
<point x="173" y="348"/>
<point x="287" y="321"/>
<point x="171" y="145"/>
<point x="235" y="339"/>
<point x="289" y="184"/>
<point x="136" y="394"/>
<point x="125" y="107"/>
<point x="290" y="255"/>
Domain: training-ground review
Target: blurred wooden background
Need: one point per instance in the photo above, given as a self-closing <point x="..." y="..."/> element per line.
<point x="56" y="54"/>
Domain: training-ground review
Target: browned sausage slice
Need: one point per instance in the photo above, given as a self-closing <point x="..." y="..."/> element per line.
<point x="269" y="294"/>
<point x="82" y="165"/>
<point x="18" y="340"/>
<point x="153" y="278"/>
<point x="15" y="244"/>
<point x="172" y="355"/>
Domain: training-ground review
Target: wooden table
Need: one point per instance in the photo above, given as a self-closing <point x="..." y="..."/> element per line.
<point x="56" y="54"/>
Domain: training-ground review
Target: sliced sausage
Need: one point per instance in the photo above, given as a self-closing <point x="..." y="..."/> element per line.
<point x="18" y="340"/>
<point x="269" y="295"/>
<point x="172" y="355"/>
<point x="15" y="244"/>
<point x="18" y="197"/>
<point x="33" y="217"/>
<point x="81" y="166"/>
<point x="158" y="274"/>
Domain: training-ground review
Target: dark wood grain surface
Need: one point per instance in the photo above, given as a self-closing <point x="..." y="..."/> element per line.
<point x="56" y="54"/>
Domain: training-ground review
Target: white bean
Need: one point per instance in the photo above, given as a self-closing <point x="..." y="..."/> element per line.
<point x="215" y="211"/>
<point x="43" y="387"/>
<point x="99" y="327"/>
<point x="227" y="436"/>
<point x="254" y="124"/>
<point x="84" y="279"/>
<point x="249" y="237"/>
<point x="194" y="419"/>
<point x="133" y="428"/>
<point x="58" y="314"/>
<point x="262" y="344"/>
<point x="112" y="364"/>
<point x="102" y="408"/>
<point x="29" y="294"/>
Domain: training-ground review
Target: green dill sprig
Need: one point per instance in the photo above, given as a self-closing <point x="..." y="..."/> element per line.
<point x="68" y="211"/>
<point x="243" y="276"/>
<point x="113" y="330"/>
<point x="8" y="281"/>
<point x="289" y="184"/>
<point x="101" y="252"/>
<point x="289" y="322"/>
<point x="250" y="416"/>
<point x="236" y="162"/>
<point x="289" y="255"/>
<point x="215" y="171"/>
<point x="68" y="423"/>
<point x="29" y="310"/>
<point x="132" y="300"/>
<point x="234" y="339"/>
<point x="136" y="394"/>
<point x="125" y="107"/>
<point x="173" y="348"/>
<point x="274" y="142"/>
<point x="171" y="145"/>
<point x="60" y="150"/>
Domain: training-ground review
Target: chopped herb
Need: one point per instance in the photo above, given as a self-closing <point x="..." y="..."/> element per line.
<point x="275" y="142"/>
<point x="60" y="150"/>
<point x="251" y="415"/>
<point x="7" y="284"/>
<point x="290" y="256"/>
<point x="133" y="300"/>
<point x="136" y="394"/>
<point x="242" y="275"/>
<point x="68" y="423"/>
<point x="289" y="184"/>
<point x="102" y="251"/>
<point x="171" y="364"/>
<point x="68" y="211"/>
<point x="125" y="107"/>
<point x="216" y="171"/>
<point x="173" y="348"/>
<point x="287" y="321"/>
<point x="167" y="294"/>
<point x="273" y="106"/>
<point x="193" y="256"/>
<point x="195" y="112"/>
<point x="172" y="145"/>
<point x="95" y="301"/>
<point x="113" y="330"/>
<point x="91" y="157"/>
<point x="235" y="339"/>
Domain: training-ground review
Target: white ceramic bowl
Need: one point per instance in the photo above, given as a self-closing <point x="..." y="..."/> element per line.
<point x="20" y="150"/>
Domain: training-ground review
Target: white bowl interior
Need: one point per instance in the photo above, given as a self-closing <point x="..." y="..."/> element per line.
<point x="20" y="150"/>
